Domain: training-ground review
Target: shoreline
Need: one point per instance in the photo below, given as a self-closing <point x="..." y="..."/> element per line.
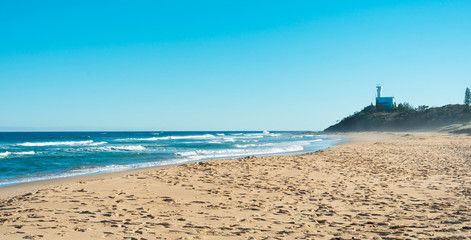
<point x="376" y="185"/>
<point x="22" y="188"/>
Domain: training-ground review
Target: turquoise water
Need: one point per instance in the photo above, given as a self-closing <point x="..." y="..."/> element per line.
<point x="37" y="156"/>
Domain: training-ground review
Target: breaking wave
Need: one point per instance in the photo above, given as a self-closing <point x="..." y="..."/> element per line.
<point x="6" y="154"/>
<point x="66" y="143"/>
<point x="279" y="144"/>
<point x="92" y="170"/>
<point x="225" y="153"/>
<point x="121" y="148"/>
<point x="89" y="153"/>
<point x="138" y="139"/>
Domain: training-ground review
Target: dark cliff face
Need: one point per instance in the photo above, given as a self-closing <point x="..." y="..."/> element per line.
<point x="402" y="119"/>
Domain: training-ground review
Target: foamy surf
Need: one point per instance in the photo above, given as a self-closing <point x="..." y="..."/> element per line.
<point x="92" y="170"/>
<point x="229" y="153"/>
<point x="196" y="137"/>
<point x="6" y="154"/>
<point x="24" y="153"/>
<point x="193" y="137"/>
<point x="138" y="139"/>
<point x="277" y="144"/>
<point x="119" y="148"/>
<point x="33" y="156"/>
<point x="66" y="143"/>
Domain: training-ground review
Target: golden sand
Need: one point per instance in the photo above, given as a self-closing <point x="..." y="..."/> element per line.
<point x="379" y="185"/>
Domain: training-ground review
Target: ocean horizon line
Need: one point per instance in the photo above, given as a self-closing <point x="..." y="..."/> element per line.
<point x="58" y="131"/>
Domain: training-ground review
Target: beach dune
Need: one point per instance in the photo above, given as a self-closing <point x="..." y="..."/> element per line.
<point x="385" y="185"/>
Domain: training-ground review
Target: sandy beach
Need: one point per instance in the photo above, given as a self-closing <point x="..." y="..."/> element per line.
<point x="379" y="185"/>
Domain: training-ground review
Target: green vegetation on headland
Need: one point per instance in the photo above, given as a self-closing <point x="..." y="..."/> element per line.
<point x="403" y="118"/>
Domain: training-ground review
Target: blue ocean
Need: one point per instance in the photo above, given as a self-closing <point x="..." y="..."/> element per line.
<point x="36" y="156"/>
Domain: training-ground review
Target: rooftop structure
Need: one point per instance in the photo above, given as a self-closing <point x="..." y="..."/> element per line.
<point x="384" y="102"/>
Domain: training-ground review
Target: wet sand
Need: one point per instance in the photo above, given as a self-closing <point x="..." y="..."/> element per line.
<point x="379" y="185"/>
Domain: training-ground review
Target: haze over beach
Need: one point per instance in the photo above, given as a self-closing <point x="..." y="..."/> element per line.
<point x="235" y="120"/>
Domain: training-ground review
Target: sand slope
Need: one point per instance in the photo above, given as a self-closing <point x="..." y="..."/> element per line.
<point x="384" y="185"/>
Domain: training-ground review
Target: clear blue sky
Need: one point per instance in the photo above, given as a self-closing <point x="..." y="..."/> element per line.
<point x="224" y="65"/>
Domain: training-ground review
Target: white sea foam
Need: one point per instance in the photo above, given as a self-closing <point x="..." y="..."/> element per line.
<point x="24" y="153"/>
<point x="253" y="135"/>
<point x="120" y="148"/>
<point x="220" y="134"/>
<point x="266" y="133"/>
<point x="6" y="154"/>
<point x="205" y="136"/>
<point x="247" y="135"/>
<point x="246" y="145"/>
<point x="224" y="153"/>
<point x="278" y="144"/>
<point x="160" y="138"/>
<point x="130" y="148"/>
<point x="192" y="137"/>
<point x="93" y="170"/>
<point x="65" y="143"/>
<point x="233" y="138"/>
<point x="138" y="139"/>
<point x="302" y="136"/>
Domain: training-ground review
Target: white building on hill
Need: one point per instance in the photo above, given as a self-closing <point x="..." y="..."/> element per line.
<point x="385" y="102"/>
